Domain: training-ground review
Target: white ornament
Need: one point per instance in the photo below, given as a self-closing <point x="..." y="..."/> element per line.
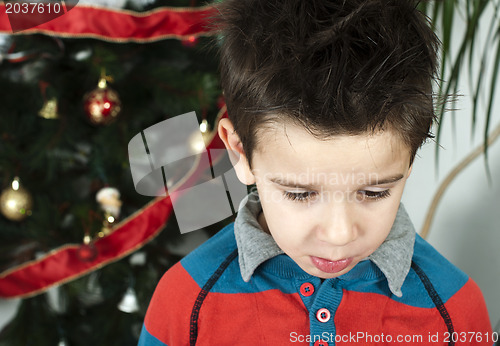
<point x="109" y="200"/>
<point x="129" y="302"/>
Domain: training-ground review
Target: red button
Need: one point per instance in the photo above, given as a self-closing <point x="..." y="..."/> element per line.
<point x="307" y="289"/>
<point x="323" y="315"/>
<point x="321" y="343"/>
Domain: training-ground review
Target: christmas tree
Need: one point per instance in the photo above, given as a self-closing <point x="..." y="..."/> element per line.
<point x="69" y="106"/>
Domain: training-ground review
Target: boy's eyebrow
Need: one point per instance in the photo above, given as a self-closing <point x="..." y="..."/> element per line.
<point x="388" y="180"/>
<point x="282" y="182"/>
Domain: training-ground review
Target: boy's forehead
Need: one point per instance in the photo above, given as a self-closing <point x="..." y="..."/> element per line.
<point x="292" y="147"/>
<point x="291" y="136"/>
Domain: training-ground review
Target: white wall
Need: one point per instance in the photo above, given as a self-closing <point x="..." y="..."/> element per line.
<point x="466" y="228"/>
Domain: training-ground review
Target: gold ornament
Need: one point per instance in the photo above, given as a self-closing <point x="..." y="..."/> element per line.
<point x="15" y="202"/>
<point x="49" y="109"/>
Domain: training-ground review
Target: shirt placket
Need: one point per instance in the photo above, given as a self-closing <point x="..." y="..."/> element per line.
<point x="322" y="301"/>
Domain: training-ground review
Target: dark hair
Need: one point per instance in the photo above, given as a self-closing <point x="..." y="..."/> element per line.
<point x="334" y="66"/>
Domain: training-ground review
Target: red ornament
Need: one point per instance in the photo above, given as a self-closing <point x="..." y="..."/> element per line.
<point x="102" y="104"/>
<point x="87" y="252"/>
<point x="191" y="41"/>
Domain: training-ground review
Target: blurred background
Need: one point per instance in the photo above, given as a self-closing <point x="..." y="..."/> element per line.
<point x="69" y="106"/>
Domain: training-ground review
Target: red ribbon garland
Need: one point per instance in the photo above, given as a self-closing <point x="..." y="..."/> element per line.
<point x="65" y="263"/>
<point x="110" y="25"/>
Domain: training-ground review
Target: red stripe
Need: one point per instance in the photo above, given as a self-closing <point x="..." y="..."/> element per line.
<point x="374" y="314"/>
<point x="469" y="314"/>
<point x="169" y="311"/>
<point x="225" y="319"/>
<point x="263" y="318"/>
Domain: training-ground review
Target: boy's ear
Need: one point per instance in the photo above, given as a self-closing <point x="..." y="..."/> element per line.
<point x="235" y="150"/>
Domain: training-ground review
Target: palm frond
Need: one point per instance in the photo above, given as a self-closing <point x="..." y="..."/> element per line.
<point x="453" y="62"/>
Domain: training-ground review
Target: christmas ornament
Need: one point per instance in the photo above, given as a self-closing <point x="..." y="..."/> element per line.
<point x="206" y="132"/>
<point x="57" y="301"/>
<point x="83" y="54"/>
<point x="87" y="251"/>
<point x="191" y="41"/>
<point x="15" y="202"/>
<point x="109" y="201"/>
<point x="92" y="293"/>
<point x="196" y="144"/>
<point x="102" y="105"/>
<point x="49" y="109"/>
<point x="62" y="342"/>
<point x="129" y="303"/>
<point x="5" y="45"/>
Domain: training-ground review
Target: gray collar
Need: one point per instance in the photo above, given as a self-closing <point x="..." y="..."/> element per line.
<point x="393" y="257"/>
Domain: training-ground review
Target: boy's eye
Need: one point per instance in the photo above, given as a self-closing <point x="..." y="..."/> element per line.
<point x="373" y="195"/>
<point x="300" y="196"/>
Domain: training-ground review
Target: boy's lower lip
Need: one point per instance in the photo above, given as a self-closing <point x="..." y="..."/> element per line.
<point x="331" y="267"/>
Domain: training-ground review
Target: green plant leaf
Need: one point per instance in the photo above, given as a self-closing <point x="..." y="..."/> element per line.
<point x="493" y="83"/>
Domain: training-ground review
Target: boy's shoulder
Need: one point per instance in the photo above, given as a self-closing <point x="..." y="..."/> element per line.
<point x="220" y="244"/>
<point x="448" y="288"/>
<point x="220" y="251"/>
<point x="456" y="296"/>
<point x="183" y="284"/>
<point x="429" y="262"/>
<point x="431" y="272"/>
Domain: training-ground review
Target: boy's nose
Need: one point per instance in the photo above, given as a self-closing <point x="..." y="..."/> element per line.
<point x="338" y="228"/>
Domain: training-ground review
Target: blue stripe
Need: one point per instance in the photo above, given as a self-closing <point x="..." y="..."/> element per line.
<point x="446" y="278"/>
<point x="202" y="263"/>
<point x="147" y="339"/>
<point x="262" y="280"/>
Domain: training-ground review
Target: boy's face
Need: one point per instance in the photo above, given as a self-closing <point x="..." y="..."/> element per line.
<point x="328" y="204"/>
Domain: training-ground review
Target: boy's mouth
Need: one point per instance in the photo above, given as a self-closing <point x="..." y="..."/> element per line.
<point x="328" y="266"/>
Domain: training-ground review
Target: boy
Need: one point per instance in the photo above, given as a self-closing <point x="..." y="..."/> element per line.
<point x="328" y="102"/>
